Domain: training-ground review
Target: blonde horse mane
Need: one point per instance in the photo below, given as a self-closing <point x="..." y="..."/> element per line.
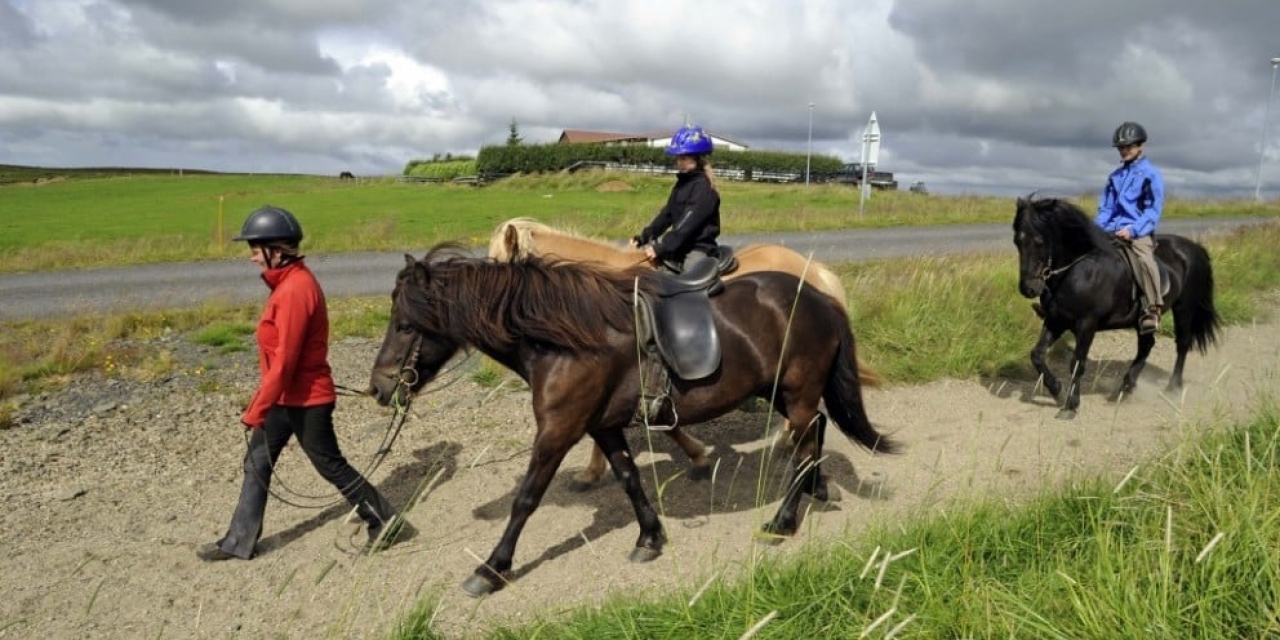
<point x="518" y="238"/>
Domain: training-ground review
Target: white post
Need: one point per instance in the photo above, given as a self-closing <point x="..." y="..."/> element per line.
<point x="870" y="155"/>
<point x="809" y="149"/>
<point x="1262" y="151"/>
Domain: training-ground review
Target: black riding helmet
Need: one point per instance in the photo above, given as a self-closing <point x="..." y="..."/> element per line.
<point x="270" y="223"/>
<point x="1128" y="133"/>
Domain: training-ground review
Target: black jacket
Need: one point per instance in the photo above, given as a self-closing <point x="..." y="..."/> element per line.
<point x="691" y="219"/>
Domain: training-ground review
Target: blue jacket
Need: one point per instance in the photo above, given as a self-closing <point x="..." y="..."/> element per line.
<point x="1133" y="198"/>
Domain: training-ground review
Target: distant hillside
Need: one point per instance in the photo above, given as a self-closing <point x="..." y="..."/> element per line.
<point x="10" y="174"/>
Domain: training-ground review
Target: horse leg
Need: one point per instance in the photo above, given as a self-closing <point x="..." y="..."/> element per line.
<point x="805" y="477"/>
<point x="588" y="477"/>
<point x="614" y="445"/>
<point x="549" y="449"/>
<point x="692" y="447"/>
<point x="1145" y="342"/>
<point x="696" y="450"/>
<point x="1184" y="339"/>
<point x="1047" y="338"/>
<point x="1084" y="340"/>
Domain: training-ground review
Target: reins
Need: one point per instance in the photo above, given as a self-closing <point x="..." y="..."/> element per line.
<point x="1050" y="272"/>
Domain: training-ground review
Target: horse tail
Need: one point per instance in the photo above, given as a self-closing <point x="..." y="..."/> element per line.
<point x="1205" y="324"/>
<point x="843" y="395"/>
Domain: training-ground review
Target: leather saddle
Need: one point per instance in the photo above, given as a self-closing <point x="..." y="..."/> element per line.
<point x="676" y="321"/>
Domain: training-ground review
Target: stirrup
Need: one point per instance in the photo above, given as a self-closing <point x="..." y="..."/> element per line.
<point x="1148" y="323"/>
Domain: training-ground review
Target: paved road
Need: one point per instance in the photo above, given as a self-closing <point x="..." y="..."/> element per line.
<point x="45" y="294"/>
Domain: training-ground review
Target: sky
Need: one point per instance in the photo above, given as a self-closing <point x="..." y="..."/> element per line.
<point x="983" y="96"/>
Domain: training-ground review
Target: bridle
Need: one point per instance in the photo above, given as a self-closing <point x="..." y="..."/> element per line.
<point x="1048" y="271"/>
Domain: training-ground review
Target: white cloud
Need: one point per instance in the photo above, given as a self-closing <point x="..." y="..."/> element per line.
<point x="996" y="94"/>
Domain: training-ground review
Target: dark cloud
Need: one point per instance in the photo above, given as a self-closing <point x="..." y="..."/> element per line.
<point x="998" y="95"/>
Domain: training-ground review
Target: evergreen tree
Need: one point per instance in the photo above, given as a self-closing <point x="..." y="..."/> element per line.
<point x="514" y="138"/>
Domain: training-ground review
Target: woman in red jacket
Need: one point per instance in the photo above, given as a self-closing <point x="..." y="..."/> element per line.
<point x="295" y="396"/>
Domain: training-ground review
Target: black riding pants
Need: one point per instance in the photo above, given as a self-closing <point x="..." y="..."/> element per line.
<point x="313" y="427"/>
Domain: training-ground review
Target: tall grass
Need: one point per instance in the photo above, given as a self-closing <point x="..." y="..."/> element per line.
<point x="1181" y="548"/>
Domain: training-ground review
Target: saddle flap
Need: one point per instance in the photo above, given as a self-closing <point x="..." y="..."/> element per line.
<point x="683" y="332"/>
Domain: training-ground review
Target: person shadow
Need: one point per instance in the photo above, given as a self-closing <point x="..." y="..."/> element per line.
<point x="403" y="487"/>
<point x="740" y="481"/>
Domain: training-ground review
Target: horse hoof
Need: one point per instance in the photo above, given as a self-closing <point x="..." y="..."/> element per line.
<point x="577" y="485"/>
<point x="819" y="490"/>
<point x="774" y="533"/>
<point x="1066" y="414"/>
<point x="477" y="585"/>
<point x="700" y="472"/>
<point x="644" y="554"/>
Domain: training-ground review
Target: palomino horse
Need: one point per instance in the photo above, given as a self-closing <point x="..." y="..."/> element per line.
<point x="520" y="238"/>
<point x="569" y="330"/>
<point x="1085" y="286"/>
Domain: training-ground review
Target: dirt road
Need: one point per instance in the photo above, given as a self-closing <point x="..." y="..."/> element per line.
<point x="111" y="484"/>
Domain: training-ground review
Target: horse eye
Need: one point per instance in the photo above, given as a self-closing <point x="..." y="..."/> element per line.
<point x="1039" y="240"/>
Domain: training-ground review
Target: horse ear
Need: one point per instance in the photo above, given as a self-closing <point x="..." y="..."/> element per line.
<point x="511" y="240"/>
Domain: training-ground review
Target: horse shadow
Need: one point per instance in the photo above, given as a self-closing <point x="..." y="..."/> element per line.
<point x="402" y="488"/>
<point x="740" y="481"/>
<point x="1102" y="377"/>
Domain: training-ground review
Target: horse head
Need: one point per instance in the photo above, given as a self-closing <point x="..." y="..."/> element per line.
<point x="1033" y="248"/>
<point x="512" y="240"/>
<point x="415" y="346"/>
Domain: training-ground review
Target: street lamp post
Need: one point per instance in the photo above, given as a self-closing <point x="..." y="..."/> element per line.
<point x="1266" y="117"/>
<point x="809" y="149"/>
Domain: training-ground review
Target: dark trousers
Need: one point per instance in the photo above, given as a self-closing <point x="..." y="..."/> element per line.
<point x="313" y="427"/>
<point x="677" y="266"/>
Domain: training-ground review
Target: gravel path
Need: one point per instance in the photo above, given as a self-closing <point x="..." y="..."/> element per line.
<point x="111" y="484"/>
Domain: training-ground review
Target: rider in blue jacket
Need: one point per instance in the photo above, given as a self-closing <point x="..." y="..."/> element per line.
<point x="687" y="227"/>
<point x="1129" y="209"/>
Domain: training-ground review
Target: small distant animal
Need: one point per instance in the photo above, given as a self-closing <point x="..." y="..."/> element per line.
<point x="346" y="175"/>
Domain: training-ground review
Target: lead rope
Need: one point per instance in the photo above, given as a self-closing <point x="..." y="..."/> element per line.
<point x="401" y="404"/>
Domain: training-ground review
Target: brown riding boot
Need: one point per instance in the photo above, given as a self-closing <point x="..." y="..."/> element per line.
<point x="1150" y="322"/>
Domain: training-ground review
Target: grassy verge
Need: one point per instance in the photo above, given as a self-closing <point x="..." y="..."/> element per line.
<point x="1182" y="548"/>
<point x="148" y="218"/>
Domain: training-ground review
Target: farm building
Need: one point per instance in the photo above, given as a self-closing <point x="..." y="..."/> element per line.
<point x="660" y="139"/>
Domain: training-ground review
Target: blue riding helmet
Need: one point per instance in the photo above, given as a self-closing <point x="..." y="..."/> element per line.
<point x="689" y="140"/>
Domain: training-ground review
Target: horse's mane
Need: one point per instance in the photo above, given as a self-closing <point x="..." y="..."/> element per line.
<point x="1064" y="224"/>
<point x="525" y="229"/>
<point x="493" y="304"/>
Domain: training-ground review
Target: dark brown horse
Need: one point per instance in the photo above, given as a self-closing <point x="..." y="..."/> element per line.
<point x="569" y="331"/>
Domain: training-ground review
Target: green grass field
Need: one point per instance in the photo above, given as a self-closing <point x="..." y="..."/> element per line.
<point x="98" y="218"/>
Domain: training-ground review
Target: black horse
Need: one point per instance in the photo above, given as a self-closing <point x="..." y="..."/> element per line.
<point x="1085" y="285"/>
<point x="569" y="330"/>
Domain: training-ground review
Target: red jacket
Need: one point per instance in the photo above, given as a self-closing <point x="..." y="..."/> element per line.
<point x="293" y="345"/>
